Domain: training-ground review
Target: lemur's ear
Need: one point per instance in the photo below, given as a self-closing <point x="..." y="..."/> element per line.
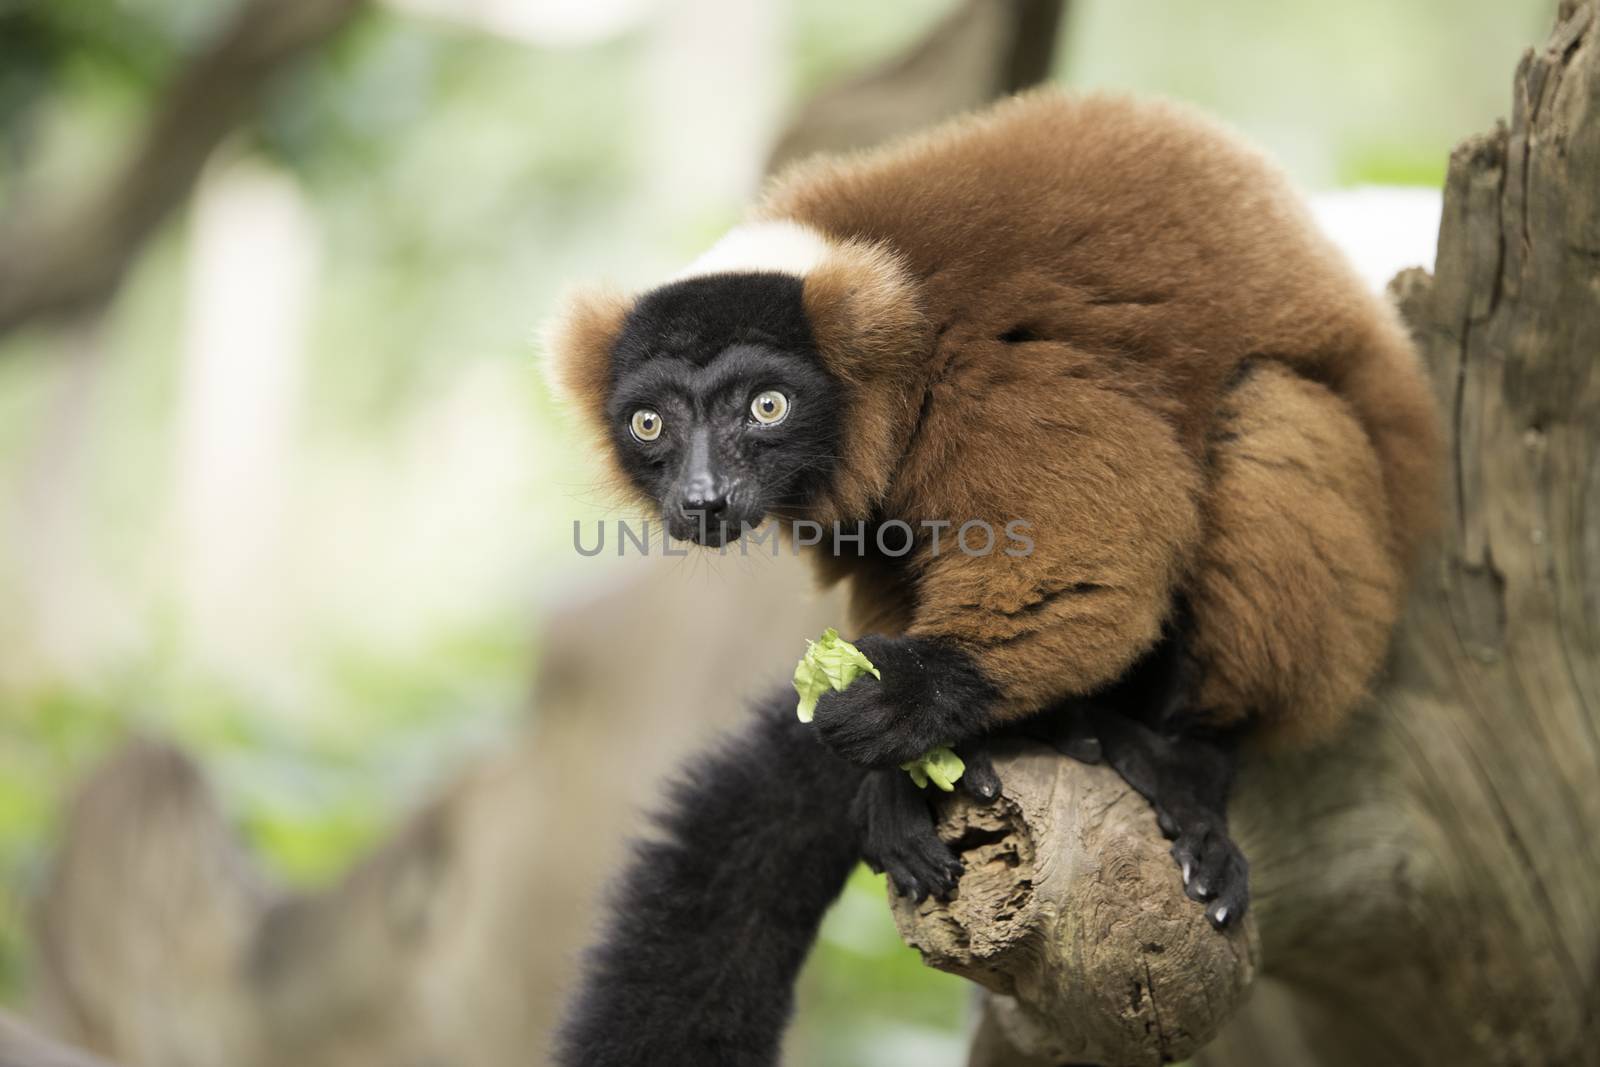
<point x="865" y="311"/>
<point x="577" y="346"/>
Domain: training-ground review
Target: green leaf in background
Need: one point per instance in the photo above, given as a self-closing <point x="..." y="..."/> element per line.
<point x="830" y="662"/>
<point x="941" y="766"/>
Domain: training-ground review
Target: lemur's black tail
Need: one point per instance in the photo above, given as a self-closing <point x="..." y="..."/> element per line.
<point x="712" y="920"/>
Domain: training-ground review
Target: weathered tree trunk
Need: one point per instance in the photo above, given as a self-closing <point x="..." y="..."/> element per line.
<point x="1427" y="890"/>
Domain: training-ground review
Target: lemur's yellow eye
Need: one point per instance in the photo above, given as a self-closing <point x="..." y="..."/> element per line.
<point x="646" y="425"/>
<point x="770" y="407"/>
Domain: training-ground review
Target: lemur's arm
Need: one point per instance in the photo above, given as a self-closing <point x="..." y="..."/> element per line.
<point x="995" y="636"/>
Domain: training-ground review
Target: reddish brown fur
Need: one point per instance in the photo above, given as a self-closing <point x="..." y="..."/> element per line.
<point x="580" y="341"/>
<point x="864" y="301"/>
<point x="1044" y="311"/>
<point x="1296" y="585"/>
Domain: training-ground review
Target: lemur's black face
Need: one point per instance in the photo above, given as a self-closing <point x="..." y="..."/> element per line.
<point x="720" y="409"/>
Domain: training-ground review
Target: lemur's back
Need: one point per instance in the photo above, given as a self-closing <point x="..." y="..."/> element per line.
<point x="1142" y="235"/>
<point x="1134" y="316"/>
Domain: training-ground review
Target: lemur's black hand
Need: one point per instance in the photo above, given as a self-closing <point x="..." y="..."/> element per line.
<point x="897" y="822"/>
<point x="898" y="838"/>
<point x="931" y="694"/>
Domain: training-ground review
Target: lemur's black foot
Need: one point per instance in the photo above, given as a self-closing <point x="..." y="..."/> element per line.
<point x="1071" y="734"/>
<point x="1185" y="777"/>
<point x="897" y="823"/>
<point x="1214" y="870"/>
<point x="931" y="694"/>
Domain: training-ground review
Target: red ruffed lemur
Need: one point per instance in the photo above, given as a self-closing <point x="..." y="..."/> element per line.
<point x="1105" y="318"/>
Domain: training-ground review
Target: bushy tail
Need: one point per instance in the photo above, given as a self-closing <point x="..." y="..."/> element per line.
<point x="712" y="920"/>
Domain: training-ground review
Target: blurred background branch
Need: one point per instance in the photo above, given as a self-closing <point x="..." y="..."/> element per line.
<point x="21" y="1047"/>
<point x="980" y="50"/>
<point x="57" y="258"/>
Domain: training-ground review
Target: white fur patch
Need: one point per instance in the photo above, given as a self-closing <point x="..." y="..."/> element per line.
<point x="782" y="246"/>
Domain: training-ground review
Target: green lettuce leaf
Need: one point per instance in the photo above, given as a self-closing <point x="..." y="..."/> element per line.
<point x="830" y="662"/>
<point x="941" y="766"/>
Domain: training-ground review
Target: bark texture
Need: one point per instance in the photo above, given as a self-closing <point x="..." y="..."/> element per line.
<point x="1067" y="914"/>
<point x="1425" y="888"/>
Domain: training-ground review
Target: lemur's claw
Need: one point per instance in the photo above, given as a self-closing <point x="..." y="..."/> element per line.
<point x="1214" y="871"/>
<point x="979" y="779"/>
<point x="921" y="865"/>
<point x="931" y="871"/>
<point x="867" y="726"/>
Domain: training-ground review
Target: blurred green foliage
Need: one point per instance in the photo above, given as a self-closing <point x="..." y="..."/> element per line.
<point x="1362" y="91"/>
<point x="47" y="735"/>
<point x="113" y="47"/>
<point x="456" y="180"/>
<point x="866" y="999"/>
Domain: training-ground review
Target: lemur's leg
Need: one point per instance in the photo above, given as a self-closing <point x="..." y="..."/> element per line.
<point x="1186" y="778"/>
<point x="1297" y="588"/>
<point x="897" y="822"/>
<point x="1145" y="729"/>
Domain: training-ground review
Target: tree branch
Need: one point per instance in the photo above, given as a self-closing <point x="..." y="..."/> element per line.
<point x="982" y="49"/>
<point x="1067" y="911"/>
<point x="1035" y="25"/>
<point x="21" y="1047"/>
<point x="53" y="264"/>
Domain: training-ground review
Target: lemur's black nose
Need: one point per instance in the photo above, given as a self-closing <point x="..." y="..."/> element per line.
<point x="703" y="501"/>
<point x="705" y="491"/>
